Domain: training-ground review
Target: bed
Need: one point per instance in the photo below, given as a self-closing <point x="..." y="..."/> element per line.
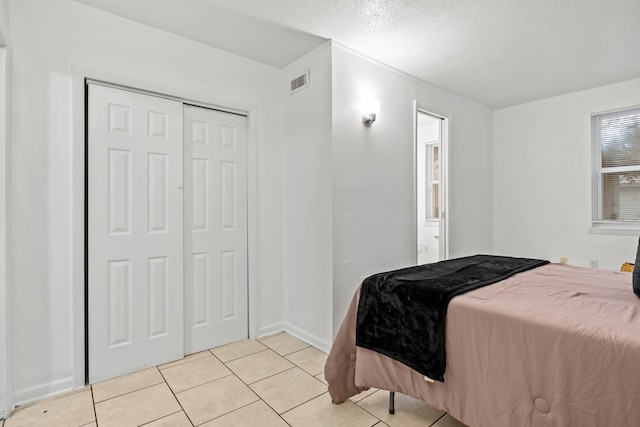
<point x="556" y="345"/>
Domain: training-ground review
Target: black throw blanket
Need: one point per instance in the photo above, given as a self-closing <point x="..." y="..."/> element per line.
<point x="402" y="313"/>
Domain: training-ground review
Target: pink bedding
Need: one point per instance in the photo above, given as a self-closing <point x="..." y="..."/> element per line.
<point x="554" y="346"/>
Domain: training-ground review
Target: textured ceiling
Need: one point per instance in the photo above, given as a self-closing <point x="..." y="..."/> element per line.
<point x="496" y="52"/>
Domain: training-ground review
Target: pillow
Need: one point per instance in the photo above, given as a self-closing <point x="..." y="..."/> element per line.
<point x="636" y="273"/>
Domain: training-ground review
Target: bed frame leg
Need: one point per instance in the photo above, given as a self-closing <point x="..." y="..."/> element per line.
<point x="392" y="408"/>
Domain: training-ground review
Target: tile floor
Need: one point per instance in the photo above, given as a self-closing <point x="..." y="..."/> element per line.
<point x="271" y="382"/>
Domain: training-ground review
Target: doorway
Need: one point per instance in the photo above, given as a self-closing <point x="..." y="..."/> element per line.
<point x="431" y="145"/>
<point x="161" y="177"/>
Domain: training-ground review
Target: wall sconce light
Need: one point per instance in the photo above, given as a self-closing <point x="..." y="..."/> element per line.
<point x="371" y="109"/>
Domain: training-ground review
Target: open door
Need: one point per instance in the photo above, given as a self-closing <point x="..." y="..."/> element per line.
<point x="430" y="187"/>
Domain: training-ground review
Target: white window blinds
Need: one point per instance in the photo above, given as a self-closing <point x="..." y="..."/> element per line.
<point x="616" y="189"/>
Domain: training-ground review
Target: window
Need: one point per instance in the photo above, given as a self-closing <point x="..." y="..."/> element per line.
<point x="616" y="168"/>
<point x="432" y="186"/>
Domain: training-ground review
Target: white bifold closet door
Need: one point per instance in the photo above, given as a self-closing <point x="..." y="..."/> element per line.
<point x="135" y="231"/>
<point x="215" y="257"/>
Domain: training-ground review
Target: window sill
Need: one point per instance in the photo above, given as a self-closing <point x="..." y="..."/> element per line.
<point x="615" y="229"/>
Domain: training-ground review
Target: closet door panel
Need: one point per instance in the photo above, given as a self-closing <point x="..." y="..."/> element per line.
<point x="215" y="228"/>
<point x="135" y="231"/>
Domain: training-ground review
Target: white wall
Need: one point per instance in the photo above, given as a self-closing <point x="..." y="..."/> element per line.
<point x="373" y="187"/>
<point x="51" y="39"/>
<point x="542" y="179"/>
<point x="374" y="226"/>
<point x="308" y="200"/>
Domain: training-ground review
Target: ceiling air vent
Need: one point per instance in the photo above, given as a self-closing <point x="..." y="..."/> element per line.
<point x="299" y="83"/>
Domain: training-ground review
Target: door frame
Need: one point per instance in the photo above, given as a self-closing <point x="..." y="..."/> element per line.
<point x="420" y="107"/>
<point x="79" y="76"/>
<point x="6" y="398"/>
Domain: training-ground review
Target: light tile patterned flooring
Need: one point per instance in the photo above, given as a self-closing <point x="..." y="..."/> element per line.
<point x="277" y="381"/>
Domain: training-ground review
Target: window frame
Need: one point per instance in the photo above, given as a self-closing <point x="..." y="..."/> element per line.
<point x="600" y="226"/>
<point x="431" y="214"/>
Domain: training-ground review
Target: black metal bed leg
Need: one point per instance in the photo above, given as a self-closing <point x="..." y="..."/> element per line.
<point x="392" y="403"/>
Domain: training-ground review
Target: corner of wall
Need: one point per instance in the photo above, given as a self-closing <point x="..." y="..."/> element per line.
<point x="307" y="131"/>
<point x="372" y="174"/>
<point x="493" y="184"/>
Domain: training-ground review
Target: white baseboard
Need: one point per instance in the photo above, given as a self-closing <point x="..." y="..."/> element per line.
<point x="270" y="329"/>
<point x="305" y="336"/>
<point x="33" y="394"/>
